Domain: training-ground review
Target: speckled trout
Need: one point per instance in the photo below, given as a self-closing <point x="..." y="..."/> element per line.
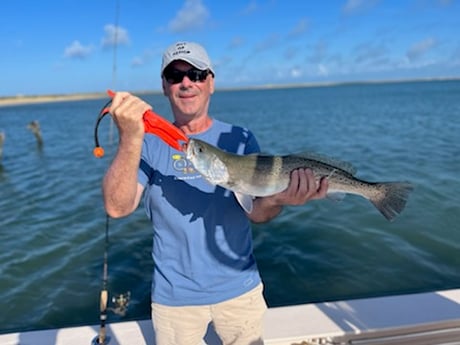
<point x="260" y="175"/>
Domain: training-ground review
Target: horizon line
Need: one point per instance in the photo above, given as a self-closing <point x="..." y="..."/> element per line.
<point x="20" y="99"/>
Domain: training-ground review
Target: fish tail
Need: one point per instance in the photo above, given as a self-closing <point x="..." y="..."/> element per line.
<point x="392" y="198"/>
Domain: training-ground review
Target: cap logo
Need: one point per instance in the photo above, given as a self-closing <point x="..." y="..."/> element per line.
<point x="181" y="52"/>
<point x="181" y="49"/>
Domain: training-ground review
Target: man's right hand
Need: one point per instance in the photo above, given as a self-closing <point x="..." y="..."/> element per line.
<point x="127" y="111"/>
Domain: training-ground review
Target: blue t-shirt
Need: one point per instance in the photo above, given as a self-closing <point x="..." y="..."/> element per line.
<point x="202" y="239"/>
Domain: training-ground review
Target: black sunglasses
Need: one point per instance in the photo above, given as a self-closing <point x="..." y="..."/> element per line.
<point x="175" y="76"/>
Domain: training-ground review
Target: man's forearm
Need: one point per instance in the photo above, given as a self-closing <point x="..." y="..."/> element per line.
<point x="119" y="186"/>
<point x="264" y="210"/>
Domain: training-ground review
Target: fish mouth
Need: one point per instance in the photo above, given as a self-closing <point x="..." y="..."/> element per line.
<point x="188" y="149"/>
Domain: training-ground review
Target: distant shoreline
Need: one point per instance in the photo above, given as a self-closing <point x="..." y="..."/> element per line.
<point x="34" y="99"/>
<point x="21" y="100"/>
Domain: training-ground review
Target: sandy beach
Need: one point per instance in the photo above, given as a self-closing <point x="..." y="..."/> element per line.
<point x="20" y="100"/>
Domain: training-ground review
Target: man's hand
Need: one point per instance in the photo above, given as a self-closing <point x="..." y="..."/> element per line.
<point x="127" y="111"/>
<point x="302" y="188"/>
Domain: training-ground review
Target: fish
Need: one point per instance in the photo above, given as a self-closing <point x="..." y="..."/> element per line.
<point x="260" y="175"/>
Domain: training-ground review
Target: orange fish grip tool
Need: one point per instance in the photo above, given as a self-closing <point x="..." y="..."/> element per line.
<point x="153" y="123"/>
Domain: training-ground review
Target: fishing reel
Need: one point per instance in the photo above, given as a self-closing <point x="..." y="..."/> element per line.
<point x="120" y="303"/>
<point x="120" y="307"/>
<point x="98" y="341"/>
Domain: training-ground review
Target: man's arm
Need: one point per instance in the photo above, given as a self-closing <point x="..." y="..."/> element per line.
<point x="302" y="188"/>
<point x="120" y="188"/>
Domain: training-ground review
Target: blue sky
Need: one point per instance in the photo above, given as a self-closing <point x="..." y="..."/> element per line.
<point x="67" y="46"/>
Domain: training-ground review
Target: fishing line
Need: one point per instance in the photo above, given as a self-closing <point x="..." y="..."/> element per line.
<point x="114" y="65"/>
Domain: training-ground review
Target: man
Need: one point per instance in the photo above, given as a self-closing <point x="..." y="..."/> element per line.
<point x="204" y="268"/>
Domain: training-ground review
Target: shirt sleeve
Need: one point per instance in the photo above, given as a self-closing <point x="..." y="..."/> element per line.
<point x="252" y="146"/>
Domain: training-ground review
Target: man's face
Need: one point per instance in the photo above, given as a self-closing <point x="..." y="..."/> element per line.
<point x="188" y="98"/>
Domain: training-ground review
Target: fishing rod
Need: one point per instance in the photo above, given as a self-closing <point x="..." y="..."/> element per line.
<point x="121" y="301"/>
<point x="102" y="338"/>
<point x="155" y="124"/>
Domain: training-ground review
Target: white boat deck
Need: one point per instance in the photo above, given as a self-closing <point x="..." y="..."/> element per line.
<point x="421" y="319"/>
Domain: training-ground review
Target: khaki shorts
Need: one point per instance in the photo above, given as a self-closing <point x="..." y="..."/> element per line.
<point x="238" y="321"/>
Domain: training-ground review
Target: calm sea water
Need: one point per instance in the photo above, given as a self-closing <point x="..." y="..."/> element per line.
<point x="52" y="222"/>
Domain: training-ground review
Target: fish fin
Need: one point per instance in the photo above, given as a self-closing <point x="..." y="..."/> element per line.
<point x="334" y="162"/>
<point x="392" y="198"/>
<point x="245" y="201"/>
<point x="336" y="196"/>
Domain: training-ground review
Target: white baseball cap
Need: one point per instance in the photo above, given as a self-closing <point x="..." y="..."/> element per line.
<point x="190" y="52"/>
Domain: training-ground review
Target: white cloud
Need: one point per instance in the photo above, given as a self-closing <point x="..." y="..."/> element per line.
<point x="420" y="48"/>
<point x="192" y="15"/>
<point x="322" y="70"/>
<point x="77" y="50"/>
<point x="114" y="35"/>
<point x="296" y="72"/>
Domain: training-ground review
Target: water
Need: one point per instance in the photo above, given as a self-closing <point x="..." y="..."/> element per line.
<point x="52" y="222"/>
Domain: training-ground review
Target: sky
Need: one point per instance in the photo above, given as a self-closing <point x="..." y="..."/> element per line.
<point x="74" y="46"/>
